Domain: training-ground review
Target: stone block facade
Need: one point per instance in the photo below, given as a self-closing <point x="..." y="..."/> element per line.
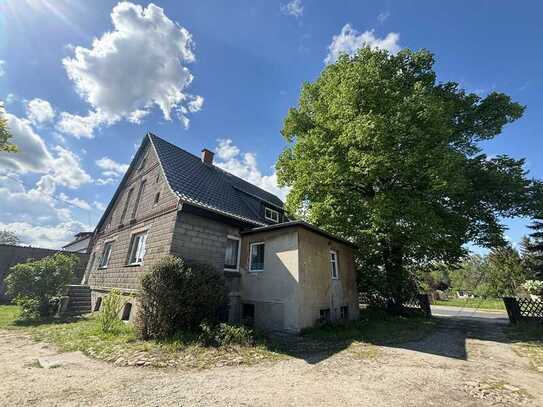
<point x="201" y="240"/>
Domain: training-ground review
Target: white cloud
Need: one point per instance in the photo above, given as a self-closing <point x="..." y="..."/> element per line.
<point x="33" y="155"/>
<point x="10" y="98"/>
<point x="81" y="126"/>
<point x="105" y="181"/>
<point x="127" y="71"/>
<point x="349" y="40"/>
<point x="2" y="69"/>
<point x="293" y="8"/>
<point x="383" y="16"/>
<point x="49" y="237"/>
<point x="100" y="206"/>
<point x="111" y="168"/>
<point x="245" y="166"/>
<point x="39" y="111"/>
<point x="67" y="170"/>
<point x="59" y="166"/>
<point x="77" y="202"/>
<point x="34" y="213"/>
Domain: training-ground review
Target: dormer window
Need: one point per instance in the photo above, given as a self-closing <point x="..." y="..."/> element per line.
<point x="271" y="214"/>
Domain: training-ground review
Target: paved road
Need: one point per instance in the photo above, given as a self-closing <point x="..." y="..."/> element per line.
<point x="470" y="314"/>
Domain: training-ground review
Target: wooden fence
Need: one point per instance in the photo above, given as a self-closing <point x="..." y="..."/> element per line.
<point x="523" y="309"/>
<point x="418" y="304"/>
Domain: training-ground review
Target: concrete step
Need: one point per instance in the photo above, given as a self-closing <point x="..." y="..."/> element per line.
<point x="79" y="310"/>
<point x="76" y="302"/>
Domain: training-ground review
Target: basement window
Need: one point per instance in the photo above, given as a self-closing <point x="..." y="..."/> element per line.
<point x="324" y="315"/>
<point x="344" y="312"/>
<point x="126" y="311"/>
<point x="97" y="304"/>
<point x="256" y="259"/>
<point x="248" y="314"/>
<point x="271" y="214"/>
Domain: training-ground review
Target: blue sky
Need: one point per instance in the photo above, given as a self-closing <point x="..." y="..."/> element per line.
<point x="220" y="75"/>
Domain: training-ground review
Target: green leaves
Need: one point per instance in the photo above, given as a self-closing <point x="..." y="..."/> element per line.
<point x="40" y="280"/>
<point x="382" y="154"/>
<point x="5" y="135"/>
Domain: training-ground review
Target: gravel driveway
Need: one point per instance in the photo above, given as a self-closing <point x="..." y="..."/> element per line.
<point x="463" y="364"/>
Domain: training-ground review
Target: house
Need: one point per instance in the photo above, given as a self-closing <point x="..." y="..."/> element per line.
<point x="80" y="244"/>
<point x="283" y="275"/>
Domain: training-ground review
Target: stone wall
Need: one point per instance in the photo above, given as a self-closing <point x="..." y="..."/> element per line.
<point x="201" y="240"/>
<point x="12" y="255"/>
<point x="156" y="218"/>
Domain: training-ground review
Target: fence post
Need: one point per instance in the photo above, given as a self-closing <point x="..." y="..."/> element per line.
<point x="513" y="310"/>
<point x="424" y="302"/>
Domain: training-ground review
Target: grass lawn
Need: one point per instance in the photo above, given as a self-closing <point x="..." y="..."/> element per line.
<point x="487" y="303"/>
<point x="359" y="338"/>
<point x="528" y="341"/>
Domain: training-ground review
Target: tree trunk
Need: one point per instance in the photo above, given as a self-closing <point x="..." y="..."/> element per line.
<point x="395" y="276"/>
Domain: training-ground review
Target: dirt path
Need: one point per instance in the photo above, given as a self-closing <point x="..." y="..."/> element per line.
<point x="462" y="364"/>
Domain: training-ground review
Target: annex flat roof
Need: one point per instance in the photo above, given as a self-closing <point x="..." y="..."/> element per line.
<point x="297" y="223"/>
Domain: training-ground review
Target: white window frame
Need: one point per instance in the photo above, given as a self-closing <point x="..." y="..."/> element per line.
<point x="251" y="257"/>
<point x="272" y="211"/>
<point x="134" y="249"/>
<point x="106" y="244"/>
<point x="334" y="261"/>
<point x="231" y="237"/>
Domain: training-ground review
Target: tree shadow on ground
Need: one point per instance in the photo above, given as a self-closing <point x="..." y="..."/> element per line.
<point x="373" y="328"/>
<point x="441" y="336"/>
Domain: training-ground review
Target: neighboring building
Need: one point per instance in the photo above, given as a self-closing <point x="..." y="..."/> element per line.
<point x="283" y="275"/>
<point x="10" y="255"/>
<point x="80" y="244"/>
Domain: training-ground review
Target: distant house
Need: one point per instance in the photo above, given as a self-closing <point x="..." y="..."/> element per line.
<point x="283" y="275"/>
<point x="80" y="244"/>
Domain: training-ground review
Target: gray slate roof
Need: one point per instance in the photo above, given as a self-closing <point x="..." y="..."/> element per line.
<point x="210" y="187"/>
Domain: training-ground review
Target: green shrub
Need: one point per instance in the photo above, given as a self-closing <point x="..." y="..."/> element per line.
<point x="226" y="335"/>
<point x="35" y="283"/>
<point x="110" y="309"/>
<point x="176" y="296"/>
<point x="533" y="287"/>
<point x="30" y="308"/>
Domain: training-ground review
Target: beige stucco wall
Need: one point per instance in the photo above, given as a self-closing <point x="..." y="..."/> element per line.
<point x="317" y="289"/>
<point x="296" y="282"/>
<point x="274" y="291"/>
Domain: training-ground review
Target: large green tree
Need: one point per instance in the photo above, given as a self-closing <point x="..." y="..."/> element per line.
<point x="533" y="248"/>
<point x="383" y="154"/>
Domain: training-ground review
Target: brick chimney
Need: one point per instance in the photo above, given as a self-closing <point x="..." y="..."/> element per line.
<point x="207" y="156"/>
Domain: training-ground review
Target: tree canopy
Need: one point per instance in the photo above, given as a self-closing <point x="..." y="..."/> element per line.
<point x="9" y="237"/>
<point x="533" y="248"/>
<point x="383" y="154"/>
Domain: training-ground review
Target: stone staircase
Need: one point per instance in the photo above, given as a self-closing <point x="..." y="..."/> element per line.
<point x="79" y="301"/>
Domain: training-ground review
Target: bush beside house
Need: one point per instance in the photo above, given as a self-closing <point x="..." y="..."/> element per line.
<point x="176" y="296"/>
<point x="36" y="284"/>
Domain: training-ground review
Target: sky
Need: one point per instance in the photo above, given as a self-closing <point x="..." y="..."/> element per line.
<point x="83" y="82"/>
